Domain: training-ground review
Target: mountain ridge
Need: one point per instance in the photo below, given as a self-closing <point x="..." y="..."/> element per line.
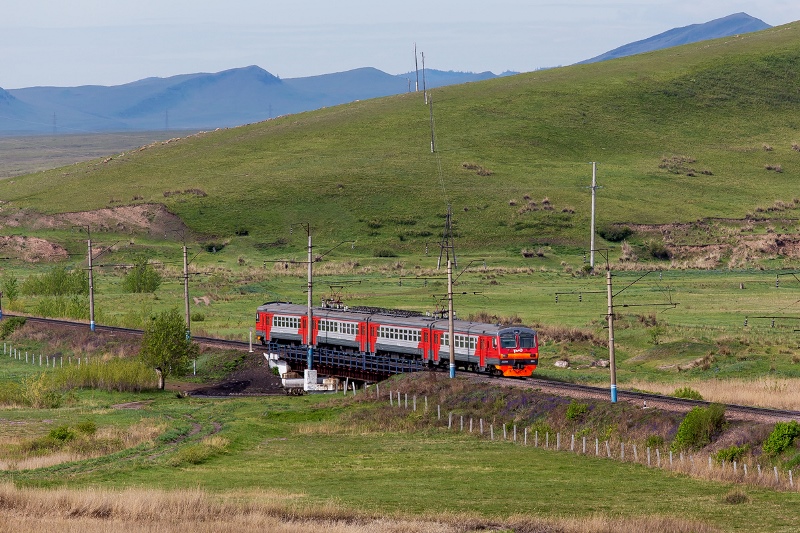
<point x="244" y="95"/>
<point x="734" y="24"/>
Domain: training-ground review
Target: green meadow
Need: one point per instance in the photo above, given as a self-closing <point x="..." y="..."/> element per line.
<point x="697" y="217"/>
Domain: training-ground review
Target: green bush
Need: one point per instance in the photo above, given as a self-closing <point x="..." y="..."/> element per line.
<point x="40" y="392"/>
<point x="87" y="427"/>
<point x="10" y="325"/>
<point x="699" y="426"/>
<point x="576" y="411"/>
<point x="192" y="454"/>
<point x="11" y="393"/>
<point x="57" y="282"/>
<point x="385" y="253"/>
<point x="142" y="278"/>
<point x="615" y="233"/>
<point x="198" y="317"/>
<point x="781" y="438"/>
<point x="62" y="434"/>
<point x="10" y="288"/>
<point x="734" y="453"/>
<point x="654" y="441"/>
<point x="658" y="250"/>
<point x="688" y="393"/>
<point x="63" y="307"/>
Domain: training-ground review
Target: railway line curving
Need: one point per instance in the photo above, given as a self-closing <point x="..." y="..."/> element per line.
<point x="574" y="390"/>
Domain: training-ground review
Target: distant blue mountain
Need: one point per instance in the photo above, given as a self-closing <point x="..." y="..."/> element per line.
<point x="198" y="101"/>
<point x="722" y="27"/>
<point x="251" y="94"/>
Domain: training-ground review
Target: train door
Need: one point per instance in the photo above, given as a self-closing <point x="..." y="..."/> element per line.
<point x="303" y="330"/>
<point x="483" y="347"/>
<point x="362" y="338"/>
<point x="436" y="343"/>
<point x="373" y="337"/>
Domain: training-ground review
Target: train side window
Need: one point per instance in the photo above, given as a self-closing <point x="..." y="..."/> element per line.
<point x="494" y="343"/>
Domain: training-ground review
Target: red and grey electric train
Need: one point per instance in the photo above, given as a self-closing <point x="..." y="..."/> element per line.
<point x="510" y="351"/>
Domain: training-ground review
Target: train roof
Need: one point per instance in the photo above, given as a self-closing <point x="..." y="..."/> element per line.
<point x="412" y="320"/>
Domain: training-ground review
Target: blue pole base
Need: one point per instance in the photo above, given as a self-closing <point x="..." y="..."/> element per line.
<point x="91" y="325"/>
<point x="310" y="357"/>
<point x="613" y="394"/>
<point x="452" y="371"/>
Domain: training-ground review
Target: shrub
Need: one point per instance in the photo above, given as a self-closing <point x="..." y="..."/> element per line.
<point x="655" y="333"/>
<point x="699" y="426"/>
<point x="10" y="325"/>
<point x="736" y="496"/>
<point x="57" y="282"/>
<point x="198" y="317"/>
<point x="40" y="392"/>
<point x="10" y="288"/>
<point x="213" y="247"/>
<point x="658" y="250"/>
<point x="87" y="427"/>
<point x="142" y="278"/>
<point x="688" y="393"/>
<point x="615" y="233"/>
<point x="11" y="393"/>
<point x="734" y="453"/>
<point x="73" y="306"/>
<point x="61" y="434"/>
<point x="385" y="253"/>
<point x="576" y="411"/>
<point x="781" y="437"/>
<point x="654" y="441"/>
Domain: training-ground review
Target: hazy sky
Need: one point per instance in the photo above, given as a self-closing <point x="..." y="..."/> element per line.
<point x="109" y="42"/>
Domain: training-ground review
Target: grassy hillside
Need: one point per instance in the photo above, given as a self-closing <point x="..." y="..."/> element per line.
<point x="703" y="112"/>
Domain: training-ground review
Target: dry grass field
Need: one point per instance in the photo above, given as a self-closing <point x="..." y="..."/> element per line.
<point x="776" y="393"/>
<point x="140" y="510"/>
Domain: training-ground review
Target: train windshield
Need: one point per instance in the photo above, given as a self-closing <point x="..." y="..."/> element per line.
<point x="508" y="341"/>
<point x="527" y="341"/>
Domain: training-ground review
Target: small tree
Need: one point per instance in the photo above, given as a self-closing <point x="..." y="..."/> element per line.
<point x="10" y="288"/>
<point x="165" y="346"/>
<point x="142" y="278"/>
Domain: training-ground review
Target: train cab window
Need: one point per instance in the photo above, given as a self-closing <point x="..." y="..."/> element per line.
<point x="527" y="341"/>
<point x="508" y="341"/>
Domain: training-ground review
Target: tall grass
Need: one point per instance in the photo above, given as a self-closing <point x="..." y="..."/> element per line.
<point x="95" y="510"/>
<point x="120" y="375"/>
<point x="778" y="393"/>
<point x="41" y="452"/>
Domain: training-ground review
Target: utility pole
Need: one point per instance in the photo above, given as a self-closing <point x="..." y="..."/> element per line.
<point x="309" y="311"/>
<point x="433" y="136"/>
<point x="447" y="245"/>
<point x="91" y="281"/>
<point x="186" y="291"/>
<point x="451" y="345"/>
<point x="416" y="68"/>
<point x="309" y="333"/>
<point x="424" y="87"/>
<point x="611" y="356"/>
<point x="594" y="195"/>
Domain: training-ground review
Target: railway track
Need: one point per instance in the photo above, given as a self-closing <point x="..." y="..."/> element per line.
<point x="641" y="399"/>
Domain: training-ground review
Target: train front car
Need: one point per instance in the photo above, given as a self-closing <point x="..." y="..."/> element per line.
<point x="518" y="349"/>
